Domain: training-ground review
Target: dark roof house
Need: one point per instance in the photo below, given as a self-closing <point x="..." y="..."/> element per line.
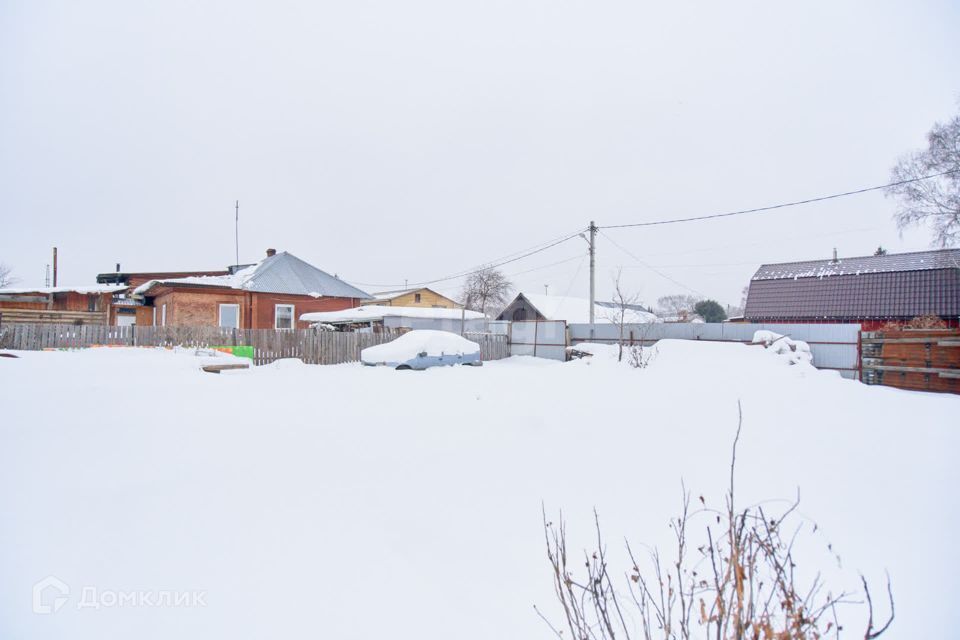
<point x="868" y="289"/>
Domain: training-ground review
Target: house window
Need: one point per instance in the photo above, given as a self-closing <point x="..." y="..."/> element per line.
<point x="283" y="316"/>
<point x="91" y="303"/>
<point x="520" y="315"/>
<point x="416" y="298"/>
<point x="163" y="314"/>
<point x="230" y="316"/>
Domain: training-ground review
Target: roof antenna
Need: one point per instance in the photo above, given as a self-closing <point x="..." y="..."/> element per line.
<point x="236" y="232"/>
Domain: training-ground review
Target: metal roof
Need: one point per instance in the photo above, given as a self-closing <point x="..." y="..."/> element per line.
<point x="868" y="295"/>
<point x="896" y="262"/>
<point x="286" y="273"/>
<point x="279" y="273"/>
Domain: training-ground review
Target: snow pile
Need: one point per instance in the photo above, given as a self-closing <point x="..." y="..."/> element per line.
<point x="793" y="351"/>
<point x="410" y="345"/>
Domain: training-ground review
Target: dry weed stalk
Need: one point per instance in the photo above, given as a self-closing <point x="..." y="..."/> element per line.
<point x="740" y="585"/>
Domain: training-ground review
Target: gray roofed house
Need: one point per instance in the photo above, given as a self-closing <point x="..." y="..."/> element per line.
<point x="277" y="273"/>
<point x="272" y="293"/>
<point x="862" y="289"/>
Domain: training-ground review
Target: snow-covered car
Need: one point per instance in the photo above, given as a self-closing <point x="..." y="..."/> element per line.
<point x="423" y="349"/>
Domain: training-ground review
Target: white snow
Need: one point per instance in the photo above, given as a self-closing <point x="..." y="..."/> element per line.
<point x="373" y="312"/>
<point x="238" y="280"/>
<point x="389" y="295"/>
<point x="577" y="310"/>
<point x="793" y="351"/>
<point x="407" y="346"/>
<point x="350" y="502"/>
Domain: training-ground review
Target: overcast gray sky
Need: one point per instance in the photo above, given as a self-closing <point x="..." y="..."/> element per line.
<point x="390" y="140"/>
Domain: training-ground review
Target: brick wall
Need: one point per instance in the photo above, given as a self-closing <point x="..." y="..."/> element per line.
<point x="264" y="307"/>
<point x="197" y="308"/>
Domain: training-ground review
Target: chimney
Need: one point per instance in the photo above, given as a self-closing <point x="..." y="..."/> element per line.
<point x="271" y="253"/>
<point x="835" y="255"/>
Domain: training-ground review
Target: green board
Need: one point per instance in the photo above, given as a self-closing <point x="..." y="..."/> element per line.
<point x="241" y="351"/>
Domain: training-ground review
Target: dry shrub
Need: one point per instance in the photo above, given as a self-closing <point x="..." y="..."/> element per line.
<point x="741" y="583"/>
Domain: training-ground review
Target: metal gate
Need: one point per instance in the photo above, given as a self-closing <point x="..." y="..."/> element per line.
<point x="540" y="338"/>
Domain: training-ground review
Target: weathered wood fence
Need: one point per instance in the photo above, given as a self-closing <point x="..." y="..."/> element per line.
<point x="492" y="346"/>
<point x="313" y="347"/>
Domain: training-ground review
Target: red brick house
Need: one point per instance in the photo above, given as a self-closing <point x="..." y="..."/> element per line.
<point x="270" y="294"/>
<point x="870" y="290"/>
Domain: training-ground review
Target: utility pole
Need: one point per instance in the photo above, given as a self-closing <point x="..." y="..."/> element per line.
<point x="593" y="280"/>
<point x="236" y="232"/>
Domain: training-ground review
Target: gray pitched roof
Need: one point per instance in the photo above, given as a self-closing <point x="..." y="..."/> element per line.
<point x="279" y="273"/>
<point x="902" y="285"/>
<point x="286" y="273"/>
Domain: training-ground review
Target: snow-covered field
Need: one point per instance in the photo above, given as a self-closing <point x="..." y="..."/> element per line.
<point x="358" y="502"/>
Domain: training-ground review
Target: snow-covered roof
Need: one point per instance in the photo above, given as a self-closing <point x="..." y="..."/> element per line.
<point x="577" y="310"/>
<point x="376" y="313"/>
<point x="901" y="285"/>
<point x="390" y="295"/>
<point x="279" y="273"/>
<point x="83" y="289"/>
<point x="891" y="263"/>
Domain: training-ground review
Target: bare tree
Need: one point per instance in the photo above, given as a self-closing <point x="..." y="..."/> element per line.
<point x="486" y="289"/>
<point x="621" y="313"/>
<point x="740" y="583"/>
<point x="6" y="275"/>
<point x="678" y="306"/>
<point x="936" y="201"/>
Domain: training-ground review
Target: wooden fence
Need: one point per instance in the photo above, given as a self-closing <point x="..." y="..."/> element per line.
<point x="313" y="347"/>
<point x="919" y="359"/>
<point x="492" y="346"/>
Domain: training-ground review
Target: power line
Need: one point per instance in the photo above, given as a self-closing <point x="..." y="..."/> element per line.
<point x="546" y="266"/>
<point x="782" y="205"/>
<point x="525" y="271"/>
<point x="659" y="273"/>
<point x="491" y="265"/>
